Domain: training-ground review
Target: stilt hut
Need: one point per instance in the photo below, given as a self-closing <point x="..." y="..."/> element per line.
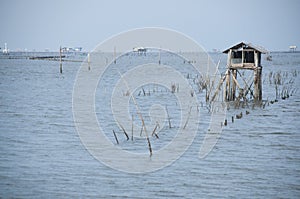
<point x="243" y="56"/>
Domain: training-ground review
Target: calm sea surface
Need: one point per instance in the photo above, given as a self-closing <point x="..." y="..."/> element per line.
<point x="41" y="155"/>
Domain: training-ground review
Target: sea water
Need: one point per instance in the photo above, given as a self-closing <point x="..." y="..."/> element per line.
<point x="42" y="156"/>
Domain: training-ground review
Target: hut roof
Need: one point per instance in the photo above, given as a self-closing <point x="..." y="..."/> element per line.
<point x="243" y="45"/>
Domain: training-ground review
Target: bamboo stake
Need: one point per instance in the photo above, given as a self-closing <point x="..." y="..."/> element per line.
<point x="149" y="146"/>
<point x="213" y="81"/>
<point x="116" y="137"/>
<point x="228" y="94"/>
<point x="187" y="120"/>
<point x="141" y="131"/>
<point x="140" y="115"/>
<point x="234" y="75"/>
<point x="248" y="88"/>
<point x="236" y="82"/>
<point x="127" y="137"/>
<point x="159" y="57"/>
<point x="89" y="61"/>
<point x="144" y="92"/>
<point x="115" y="60"/>
<point x="218" y="88"/>
<point x="153" y="132"/>
<point x="60" y="60"/>
<point x="169" y="119"/>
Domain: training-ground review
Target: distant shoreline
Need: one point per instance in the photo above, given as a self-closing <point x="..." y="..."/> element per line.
<point x="84" y="52"/>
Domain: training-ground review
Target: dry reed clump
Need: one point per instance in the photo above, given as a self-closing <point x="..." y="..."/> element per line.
<point x="283" y="83"/>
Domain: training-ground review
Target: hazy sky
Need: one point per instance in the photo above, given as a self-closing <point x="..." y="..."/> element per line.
<point x="38" y="24"/>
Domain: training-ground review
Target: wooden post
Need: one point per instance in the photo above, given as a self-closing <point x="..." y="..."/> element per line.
<point x="228" y="93"/>
<point x="257" y="84"/>
<point x="257" y="78"/>
<point x="115" y="61"/>
<point x="227" y="84"/>
<point x="116" y="137"/>
<point x="225" y="88"/>
<point x="89" y="61"/>
<point x="256" y="59"/>
<point x="60" y="60"/>
<point x="170" y="126"/>
<point x="243" y="57"/>
<point x="234" y="76"/>
<point x="229" y="58"/>
<point x="159" y="57"/>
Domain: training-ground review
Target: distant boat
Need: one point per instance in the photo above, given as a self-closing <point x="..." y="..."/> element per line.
<point x="5" y="50"/>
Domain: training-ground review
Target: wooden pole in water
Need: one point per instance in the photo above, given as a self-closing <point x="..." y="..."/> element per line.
<point x="227" y="84"/>
<point x="159" y="57"/>
<point x="115" y="61"/>
<point x="227" y="96"/>
<point x="60" y="60"/>
<point x="257" y="84"/>
<point x="219" y="87"/>
<point x="170" y="126"/>
<point x="124" y="131"/>
<point x="153" y="132"/>
<point x="187" y="120"/>
<point x="234" y="83"/>
<point x="225" y="122"/>
<point x="257" y="78"/>
<point x="89" y="61"/>
<point x="140" y="115"/>
<point x="116" y="137"/>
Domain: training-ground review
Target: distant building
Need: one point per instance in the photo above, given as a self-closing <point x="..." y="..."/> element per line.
<point x="140" y="50"/>
<point x="293" y="48"/>
<point x="5" y="50"/>
<point x="71" y="49"/>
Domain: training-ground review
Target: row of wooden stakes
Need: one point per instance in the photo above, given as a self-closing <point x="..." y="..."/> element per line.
<point x="237" y="116"/>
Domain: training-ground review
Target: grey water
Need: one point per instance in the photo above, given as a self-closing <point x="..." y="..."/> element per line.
<point x="41" y="154"/>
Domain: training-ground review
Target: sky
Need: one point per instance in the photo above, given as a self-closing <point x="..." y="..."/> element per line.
<point x="214" y="24"/>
